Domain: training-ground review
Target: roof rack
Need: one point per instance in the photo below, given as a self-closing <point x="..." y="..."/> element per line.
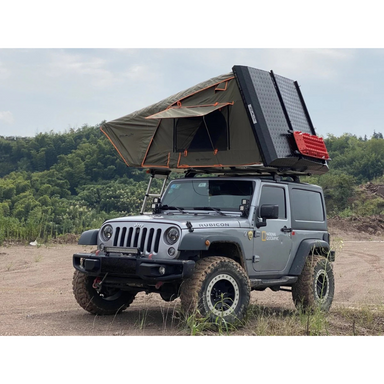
<point x="234" y="171"/>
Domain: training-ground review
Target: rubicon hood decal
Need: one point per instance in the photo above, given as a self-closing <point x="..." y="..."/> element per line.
<point x="214" y="224"/>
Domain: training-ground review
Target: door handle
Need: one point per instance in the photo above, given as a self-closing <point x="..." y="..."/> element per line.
<point x="286" y="230"/>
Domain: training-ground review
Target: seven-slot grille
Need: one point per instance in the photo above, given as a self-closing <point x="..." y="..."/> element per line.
<point x="146" y="239"/>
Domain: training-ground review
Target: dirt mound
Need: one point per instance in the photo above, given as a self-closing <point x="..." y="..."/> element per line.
<point x="358" y="227"/>
<point x="68" y="238"/>
<point x="373" y="189"/>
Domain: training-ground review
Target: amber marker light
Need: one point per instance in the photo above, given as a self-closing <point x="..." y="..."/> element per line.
<point x="207" y="243"/>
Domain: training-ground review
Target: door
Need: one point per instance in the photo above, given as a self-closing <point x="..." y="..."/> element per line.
<point x="272" y="244"/>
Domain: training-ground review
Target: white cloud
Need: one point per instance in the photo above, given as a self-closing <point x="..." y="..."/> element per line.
<point x="4" y="72"/>
<point x="137" y="72"/>
<point x="82" y="66"/>
<point x="6" y="117"/>
<point x="310" y="63"/>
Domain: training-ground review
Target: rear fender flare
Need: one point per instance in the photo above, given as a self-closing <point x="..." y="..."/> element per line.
<point x="306" y="248"/>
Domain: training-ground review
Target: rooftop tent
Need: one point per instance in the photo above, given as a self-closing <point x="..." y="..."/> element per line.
<point x="247" y="119"/>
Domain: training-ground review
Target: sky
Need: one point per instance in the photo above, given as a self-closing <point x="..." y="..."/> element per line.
<point x="81" y="62"/>
<point x="56" y="89"/>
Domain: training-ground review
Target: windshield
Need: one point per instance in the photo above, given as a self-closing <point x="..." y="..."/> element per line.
<point x="205" y="194"/>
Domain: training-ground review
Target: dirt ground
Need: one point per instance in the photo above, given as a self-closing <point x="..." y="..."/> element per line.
<point x="36" y="291"/>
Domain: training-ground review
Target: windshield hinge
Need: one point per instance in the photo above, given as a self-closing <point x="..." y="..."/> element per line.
<point x="189" y="226"/>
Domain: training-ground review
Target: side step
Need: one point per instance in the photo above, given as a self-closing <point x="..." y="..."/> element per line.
<point x="265" y="283"/>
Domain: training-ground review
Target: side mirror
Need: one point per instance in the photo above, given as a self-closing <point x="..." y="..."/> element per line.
<point x="267" y="211"/>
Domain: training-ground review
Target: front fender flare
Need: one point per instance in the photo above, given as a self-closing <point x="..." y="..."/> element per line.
<point x="197" y="241"/>
<point x="89" y="237"/>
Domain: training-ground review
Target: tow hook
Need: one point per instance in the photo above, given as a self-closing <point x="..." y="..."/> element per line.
<point x="159" y="284"/>
<point x="98" y="282"/>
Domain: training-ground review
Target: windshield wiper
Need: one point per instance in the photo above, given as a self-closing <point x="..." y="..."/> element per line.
<point x="218" y="210"/>
<point x="170" y="207"/>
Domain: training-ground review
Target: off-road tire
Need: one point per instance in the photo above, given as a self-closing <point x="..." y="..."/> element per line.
<point x="315" y="286"/>
<point x="88" y="298"/>
<point x="218" y="289"/>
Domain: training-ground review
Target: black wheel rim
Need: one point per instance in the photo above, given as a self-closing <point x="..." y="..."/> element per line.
<point x="322" y="285"/>
<point x="223" y="295"/>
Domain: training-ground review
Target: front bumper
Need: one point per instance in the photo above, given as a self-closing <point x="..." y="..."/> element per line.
<point x="132" y="267"/>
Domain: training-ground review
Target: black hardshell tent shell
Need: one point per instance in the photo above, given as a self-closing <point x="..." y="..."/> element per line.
<point x="248" y="119"/>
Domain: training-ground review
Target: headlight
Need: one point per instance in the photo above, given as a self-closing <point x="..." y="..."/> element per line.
<point x="107" y="232"/>
<point x="172" y="235"/>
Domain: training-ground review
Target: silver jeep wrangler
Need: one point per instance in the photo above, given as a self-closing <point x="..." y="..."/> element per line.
<point x="211" y="241"/>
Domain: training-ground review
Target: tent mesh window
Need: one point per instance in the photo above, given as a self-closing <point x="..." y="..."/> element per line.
<point x="203" y="133"/>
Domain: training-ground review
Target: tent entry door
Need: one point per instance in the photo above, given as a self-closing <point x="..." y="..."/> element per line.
<point x="202" y="133"/>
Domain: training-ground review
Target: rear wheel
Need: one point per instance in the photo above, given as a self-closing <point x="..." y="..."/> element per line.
<point x="219" y="288"/>
<point x="106" y="301"/>
<point x="315" y="287"/>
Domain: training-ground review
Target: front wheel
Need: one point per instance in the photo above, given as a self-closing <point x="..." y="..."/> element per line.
<point x="218" y="289"/>
<point x="105" y="302"/>
<point x="315" y="286"/>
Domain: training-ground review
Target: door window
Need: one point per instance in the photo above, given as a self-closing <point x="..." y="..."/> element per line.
<point x="275" y="196"/>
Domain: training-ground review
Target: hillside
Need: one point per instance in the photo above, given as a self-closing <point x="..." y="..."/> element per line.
<point x="359" y="226"/>
<point x="58" y="183"/>
<point x="54" y="184"/>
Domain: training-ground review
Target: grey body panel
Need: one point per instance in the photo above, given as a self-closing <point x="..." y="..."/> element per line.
<point x="272" y="247"/>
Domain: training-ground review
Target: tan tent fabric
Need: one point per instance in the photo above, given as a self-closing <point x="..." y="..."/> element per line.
<point x="191" y="111"/>
<point x="131" y="135"/>
<point x="145" y="138"/>
<point x="234" y="121"/>
<point x="241" y="148"/>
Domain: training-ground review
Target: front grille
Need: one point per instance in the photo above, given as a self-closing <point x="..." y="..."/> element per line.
<point x="146" y="239"/>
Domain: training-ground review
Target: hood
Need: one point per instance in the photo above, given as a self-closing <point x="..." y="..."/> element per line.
<point x="200" y="221"/>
